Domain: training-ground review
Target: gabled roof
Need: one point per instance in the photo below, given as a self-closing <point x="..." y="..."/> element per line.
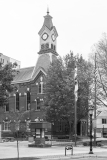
<point x="29" y="74"/>
<point x="23" y="75"/>
<point x="101" y="111"/>
<point x="42" y="63"/>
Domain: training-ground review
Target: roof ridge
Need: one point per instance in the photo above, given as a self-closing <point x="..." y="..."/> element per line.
<point x="26" y="68"/>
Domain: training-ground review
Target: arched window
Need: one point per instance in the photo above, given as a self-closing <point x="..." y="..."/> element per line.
<point x="28" y="100"/>
<point x="17" y="101"/>
<point x="41" y="87"/>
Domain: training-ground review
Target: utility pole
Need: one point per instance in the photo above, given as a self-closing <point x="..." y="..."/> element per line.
<point x="95" y="77"/>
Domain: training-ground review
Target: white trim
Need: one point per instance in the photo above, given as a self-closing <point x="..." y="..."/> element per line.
<point x="39" y="69"/>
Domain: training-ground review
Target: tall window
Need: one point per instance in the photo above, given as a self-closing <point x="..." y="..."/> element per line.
<point x="104" y="121"/>
<point x="28" y="100"/>
<point x="7" y="107"/>
<point x="6" y="125"/>
<point x="38" y="103"/>
<point x="41" y="87"/>
<point x="54" y="47"/>
<point x="27" y="125"/>
<point x="17" y="101"/>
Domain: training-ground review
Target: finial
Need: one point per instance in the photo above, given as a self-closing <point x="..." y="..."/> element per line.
<point x="47" y="10"/>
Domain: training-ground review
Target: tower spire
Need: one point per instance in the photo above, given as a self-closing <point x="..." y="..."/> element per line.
<point x="47" y="10"/>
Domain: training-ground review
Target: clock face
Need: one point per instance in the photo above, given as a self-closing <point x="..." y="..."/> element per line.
<point x="44" y="36"/>
<point x="53" y="37"/>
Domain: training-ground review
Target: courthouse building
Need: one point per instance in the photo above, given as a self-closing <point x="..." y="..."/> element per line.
<point x="25" y="103"/>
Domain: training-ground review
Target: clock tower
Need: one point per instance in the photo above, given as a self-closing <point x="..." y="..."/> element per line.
<point x="48" y="36"/>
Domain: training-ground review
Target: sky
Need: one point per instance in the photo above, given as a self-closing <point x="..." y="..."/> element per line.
<point x="79" y="23"/>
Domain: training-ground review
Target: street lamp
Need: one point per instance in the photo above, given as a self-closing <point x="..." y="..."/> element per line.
<point x="91" y="113"/>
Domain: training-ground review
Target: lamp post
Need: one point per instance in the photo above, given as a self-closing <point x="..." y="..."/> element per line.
<point x="103" y="130"/>
<point x="91" y="113"/>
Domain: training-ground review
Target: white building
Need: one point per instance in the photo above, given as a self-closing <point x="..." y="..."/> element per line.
<point x="5" y="59"/>
<point x="101" y="121"/>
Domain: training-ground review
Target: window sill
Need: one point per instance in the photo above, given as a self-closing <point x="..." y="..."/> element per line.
<point x="6" y="130"/>
<point x="41" y="93"/>
<point x="37" y="110"/>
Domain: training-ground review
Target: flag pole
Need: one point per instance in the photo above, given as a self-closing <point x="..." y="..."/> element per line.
<point x="75" y="100"/>
<point x="75" y="121"/>
<point x="95" y="103"/>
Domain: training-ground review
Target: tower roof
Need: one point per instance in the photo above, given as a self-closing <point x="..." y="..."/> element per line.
<point x="47" y="22"/>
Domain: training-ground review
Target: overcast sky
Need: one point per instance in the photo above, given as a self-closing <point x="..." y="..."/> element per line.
<point x="80" y="24"/>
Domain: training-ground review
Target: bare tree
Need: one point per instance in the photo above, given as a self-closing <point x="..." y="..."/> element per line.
<point x="100" y="49"/>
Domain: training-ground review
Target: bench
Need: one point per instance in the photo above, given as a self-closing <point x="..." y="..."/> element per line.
<point x="69" y="147"/>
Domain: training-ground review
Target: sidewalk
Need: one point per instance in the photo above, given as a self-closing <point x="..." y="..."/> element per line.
<point x="9" y="150"/>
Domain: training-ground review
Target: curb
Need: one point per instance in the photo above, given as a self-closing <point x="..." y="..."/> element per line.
<point x="60" y="157"/>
